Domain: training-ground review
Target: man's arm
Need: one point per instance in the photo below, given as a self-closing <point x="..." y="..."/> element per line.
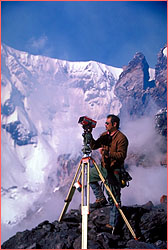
<point x="95" y="144"/>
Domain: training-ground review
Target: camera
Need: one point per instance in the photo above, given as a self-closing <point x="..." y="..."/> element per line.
<point x="87" y="122"/>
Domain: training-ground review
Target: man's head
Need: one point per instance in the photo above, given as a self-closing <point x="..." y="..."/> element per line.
<point x="112" y="123"/>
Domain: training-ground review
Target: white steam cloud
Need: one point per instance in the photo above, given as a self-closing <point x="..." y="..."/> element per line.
<point x="149" y="181"/>
<point x="148" y="184"/>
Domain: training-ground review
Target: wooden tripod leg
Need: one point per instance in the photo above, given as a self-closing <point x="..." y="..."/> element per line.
<point x="85" y="201"/>
<point x="70" y="193"/>
<point x="116" y="203"/>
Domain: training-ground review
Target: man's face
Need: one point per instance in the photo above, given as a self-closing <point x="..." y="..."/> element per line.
<point x="109" y="126"/>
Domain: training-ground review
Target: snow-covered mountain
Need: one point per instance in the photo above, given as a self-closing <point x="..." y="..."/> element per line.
<point x="41" y="102"/>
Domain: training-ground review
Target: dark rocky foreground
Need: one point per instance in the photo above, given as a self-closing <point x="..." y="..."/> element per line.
<point x="149" y="223"/>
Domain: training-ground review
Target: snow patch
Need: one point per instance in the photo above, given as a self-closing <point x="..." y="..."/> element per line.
<point x="165" y="52"/>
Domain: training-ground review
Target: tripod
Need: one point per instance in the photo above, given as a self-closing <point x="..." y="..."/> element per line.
<point x="83" y="173"/>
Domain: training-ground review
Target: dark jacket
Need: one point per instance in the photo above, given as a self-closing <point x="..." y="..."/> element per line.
<point x="114" y="149"/>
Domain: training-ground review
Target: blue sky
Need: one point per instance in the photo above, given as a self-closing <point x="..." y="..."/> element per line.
<point x="110" y="32"/>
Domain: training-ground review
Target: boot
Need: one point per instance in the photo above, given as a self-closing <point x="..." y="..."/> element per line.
<point x="101" y="202"/>
<point x="111" y="228"/>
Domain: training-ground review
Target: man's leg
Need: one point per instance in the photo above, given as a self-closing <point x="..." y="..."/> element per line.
<point x="114" y="185"/>
<point x="114" y="212"/>
<point x="97" y="190"/>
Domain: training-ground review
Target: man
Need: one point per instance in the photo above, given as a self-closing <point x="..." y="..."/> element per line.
<point x="113" y="145"/>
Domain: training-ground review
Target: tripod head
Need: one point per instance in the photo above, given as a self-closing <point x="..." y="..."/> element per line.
<point x="87" y="139"/>
<point x="88" y="125"/>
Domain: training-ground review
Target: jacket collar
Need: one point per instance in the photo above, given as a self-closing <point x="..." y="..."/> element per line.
<point x="114" y="133"/>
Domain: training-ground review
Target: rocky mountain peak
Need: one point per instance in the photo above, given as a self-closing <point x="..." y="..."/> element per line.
<point x="132" y="83"/>
<point x="137" y="63"/>
<point x="135" y="89"/>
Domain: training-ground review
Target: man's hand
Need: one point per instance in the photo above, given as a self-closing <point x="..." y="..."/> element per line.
<point x="88" y="130"/>
<point x="106" y="154"/>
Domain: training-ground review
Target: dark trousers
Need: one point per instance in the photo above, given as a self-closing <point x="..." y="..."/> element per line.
<point x="112" y="178"/>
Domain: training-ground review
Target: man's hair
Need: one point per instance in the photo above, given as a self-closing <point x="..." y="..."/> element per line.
<point x="114" y="118"/>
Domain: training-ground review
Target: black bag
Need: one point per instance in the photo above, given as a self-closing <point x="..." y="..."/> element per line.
<point x="125" y="178"/>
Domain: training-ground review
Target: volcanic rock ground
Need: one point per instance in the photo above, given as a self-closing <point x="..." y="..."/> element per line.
<point x="149" y="223"/>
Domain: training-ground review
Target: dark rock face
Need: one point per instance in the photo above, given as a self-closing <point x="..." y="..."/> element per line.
<point x="8" y="108"/>
<point x="149" y="223"/>
<point x="131" y="86"/>
<point x="20" y="134"/>
<point x="161" y="122"/>
<point x="140" y="66"/>
<point x="136" y="92"/>
<point x="161" y="80"/>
